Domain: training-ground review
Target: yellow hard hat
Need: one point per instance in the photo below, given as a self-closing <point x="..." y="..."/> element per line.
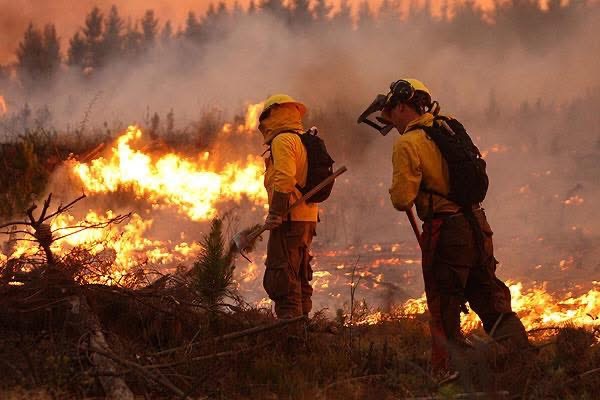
<point x="277" y="99"/>
<point x="404" y="90"/>
<point x="417" y="85"/>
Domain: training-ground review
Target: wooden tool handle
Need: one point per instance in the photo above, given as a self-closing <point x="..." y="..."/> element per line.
<point x="317" y="188"/>
<point x="302" y="199"/>
<point x="415" y="227"/>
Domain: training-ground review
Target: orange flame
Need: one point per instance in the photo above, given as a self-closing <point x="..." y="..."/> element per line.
<point x="535" y="306"/>
<point x="124" y="246"/>
<point x="194" y="187"/>
<point x="252" y="114"/>
<point x="3" y="107"/>
<point x="171" y="180"/>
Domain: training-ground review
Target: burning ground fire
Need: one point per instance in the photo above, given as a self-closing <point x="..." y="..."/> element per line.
<point x="175" y="195"/>
<point x="193" y="188"/>
<point x="383" y="264"/>
<point x="536" y="308"/>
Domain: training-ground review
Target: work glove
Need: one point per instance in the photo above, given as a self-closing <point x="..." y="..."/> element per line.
<point x="277" y="209"/>
<point x="273" y="221"/>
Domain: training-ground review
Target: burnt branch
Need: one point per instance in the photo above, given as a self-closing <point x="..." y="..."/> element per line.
<point x="13" y="223"/>
<point x="42" y="231"/>
<point x="99" y="225"/>
<point x="29" y="212"/>
<point x="17" y="231"/>
<point x="45" y="208"/>
<point x="61" y="209"/>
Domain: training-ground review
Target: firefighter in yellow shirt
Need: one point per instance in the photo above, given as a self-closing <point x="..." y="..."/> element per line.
<point x="457" y="266"/>
<point x="288" y="272"/>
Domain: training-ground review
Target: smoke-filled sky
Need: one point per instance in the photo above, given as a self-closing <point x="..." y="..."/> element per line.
<point x="68" y="15"/>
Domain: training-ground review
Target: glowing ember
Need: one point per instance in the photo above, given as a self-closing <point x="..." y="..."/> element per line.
<point x="3" y="107"/>
<point x="496" y="148"/>
<point x="573" y="201"/>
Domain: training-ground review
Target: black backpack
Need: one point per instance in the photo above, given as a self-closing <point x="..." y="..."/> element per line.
<point x="320" y="166"/>
<point x="468" y="179"/>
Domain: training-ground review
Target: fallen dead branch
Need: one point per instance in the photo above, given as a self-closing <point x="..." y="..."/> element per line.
<point x="259" y="329"/>
<point x="499" y="395"/>
<point x="143" y="371"/>
<point x="349" y="380"/>
<point x="236" y="335"/>
<point x="208" y="357"/>
<point x="114" y="386"/>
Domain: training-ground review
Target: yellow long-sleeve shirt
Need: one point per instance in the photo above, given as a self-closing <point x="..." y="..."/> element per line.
<point x="417" y="160"/>
<point x="287" y="166"/>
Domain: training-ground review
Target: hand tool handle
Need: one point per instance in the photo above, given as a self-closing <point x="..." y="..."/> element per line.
<point x="302" y="199"/>
<point x="415" y="227"/>
<point x="317" y="188"/>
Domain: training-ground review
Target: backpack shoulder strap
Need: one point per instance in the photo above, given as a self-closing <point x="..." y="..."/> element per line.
<point x="298" y="187"/>
<point x="423" y="187"/>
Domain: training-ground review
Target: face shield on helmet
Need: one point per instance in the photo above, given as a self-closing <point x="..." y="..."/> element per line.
<point x="401" y="91"/>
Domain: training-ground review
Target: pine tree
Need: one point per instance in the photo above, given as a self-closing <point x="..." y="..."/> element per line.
<point x="343" y="18"/>
<point x="388" y="15"/>
<point x="38" y="56"/>
<point x="132" y="41"/>
<point x="149" y="28"/>
<point x="216" y="21"/>
<point x="365" y="17"/>
<point x="222" y="12"/>
<point x="322" y="10"/>
<point x="277" y="9"/>
<point x="213" y="271"/>
<point x="166" y="34"/>
<point x="237" y="11"/>
<point x="211" y="23"/>
<point x="170" y="123"/>
<point x="92" y="32"/>
<point x="252" y="7"/>
<point x="112" y="39"/>
<point x="29" y="55"/>
<point x="154" y="125"/>
<point x="492" y="111"/>
<point x="193" y="28"/>
<point x="77" y="50"/>
<point x="301" y="15"/>
<point x="52" y="57"/>
<point x="210" y="12"/>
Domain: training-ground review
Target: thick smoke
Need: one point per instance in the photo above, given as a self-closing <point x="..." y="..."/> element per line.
<point x="529" y="94"/>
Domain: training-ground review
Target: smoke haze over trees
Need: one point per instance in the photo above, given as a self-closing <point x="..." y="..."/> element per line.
<point x="260" y="42"/>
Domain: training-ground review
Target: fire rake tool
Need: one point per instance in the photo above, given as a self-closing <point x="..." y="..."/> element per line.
<point x="244" y="241"/>
<point x="415" y="227"/>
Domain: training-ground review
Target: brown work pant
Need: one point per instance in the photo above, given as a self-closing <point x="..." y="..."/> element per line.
<point x="455" y="271"/>
<point x="288" y="272"/>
